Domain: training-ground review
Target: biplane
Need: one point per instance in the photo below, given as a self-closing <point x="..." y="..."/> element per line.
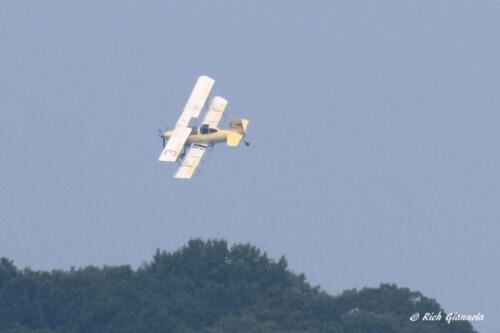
<point x="186" y="144"/>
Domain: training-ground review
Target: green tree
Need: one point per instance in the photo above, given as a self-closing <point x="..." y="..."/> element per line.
<point x="205" y="286"/>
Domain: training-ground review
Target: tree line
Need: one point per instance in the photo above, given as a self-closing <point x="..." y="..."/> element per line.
<point x="207" y="287"/>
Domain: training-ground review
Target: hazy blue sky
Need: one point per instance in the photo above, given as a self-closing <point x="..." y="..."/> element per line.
<point x="374" y="130"/>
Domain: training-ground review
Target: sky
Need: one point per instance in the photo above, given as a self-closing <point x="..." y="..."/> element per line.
<point x="374" y="131"/>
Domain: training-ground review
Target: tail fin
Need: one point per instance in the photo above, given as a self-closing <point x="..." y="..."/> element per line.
<point x="237" y="130"/>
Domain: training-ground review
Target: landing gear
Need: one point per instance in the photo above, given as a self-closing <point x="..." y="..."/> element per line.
<point x="183" y="154"/>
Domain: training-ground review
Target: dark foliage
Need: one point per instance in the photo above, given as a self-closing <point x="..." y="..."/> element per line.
<point x="204" y="287"/>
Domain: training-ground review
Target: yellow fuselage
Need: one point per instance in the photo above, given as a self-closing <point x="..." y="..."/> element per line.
<point x="206" y="139"/>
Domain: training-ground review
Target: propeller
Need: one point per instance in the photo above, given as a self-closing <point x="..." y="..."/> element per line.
<point x="161" y="136"/>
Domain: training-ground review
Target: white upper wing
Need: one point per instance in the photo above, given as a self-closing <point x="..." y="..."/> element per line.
<point x="193" y="107"/>
<point x="216" y="107"/>
<point x="196" y="100"/>
<point x="191" y="161"/>
<point x="175" y="144"/>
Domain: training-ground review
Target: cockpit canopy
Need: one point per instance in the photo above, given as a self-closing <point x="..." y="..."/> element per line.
<point x="205" y="129"/>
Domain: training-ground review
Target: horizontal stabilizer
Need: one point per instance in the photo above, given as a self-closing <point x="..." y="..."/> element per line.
<point x="233" y="138"/>
<point x="237" y="130"/>
<point x="238" y="125"/>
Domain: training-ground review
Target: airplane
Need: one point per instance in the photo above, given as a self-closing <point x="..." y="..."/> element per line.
<point x="196" y="139"/>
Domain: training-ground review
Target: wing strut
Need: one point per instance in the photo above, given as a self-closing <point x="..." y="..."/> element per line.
<point x="191" y="161"/>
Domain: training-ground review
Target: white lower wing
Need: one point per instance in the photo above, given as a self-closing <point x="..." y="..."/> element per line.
<point x="216" y="107"/>
<point x="191" y="161"/>
<point x="196" y="101"/>
<point x="175" y="144"/>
